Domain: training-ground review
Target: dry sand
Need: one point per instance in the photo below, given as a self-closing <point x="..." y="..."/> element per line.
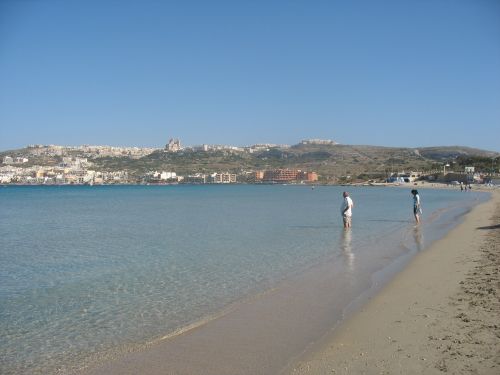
<point x="441" y="314"/>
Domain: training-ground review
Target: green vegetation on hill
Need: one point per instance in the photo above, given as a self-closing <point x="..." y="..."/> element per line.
<point x="329" y="161"/>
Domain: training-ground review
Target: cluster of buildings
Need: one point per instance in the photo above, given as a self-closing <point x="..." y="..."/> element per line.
<point x="78" y="170"/>
<point x="227" y="148"/>
<point x="212" y="178"/>
<point x="9" y="160"/>
<point x="404" y="177"/>
<point x="70" y="170"/>
<point x="318" y="142"/>
<point x="266" y="176"/>
<point x="59" y="175"/>
<point x="75" y="162"/>
<point x="174" y="145"/>
<point x="73" y="165"/>
<point x="468" y="176"/>
<point x="90" y="151"/>
<point x="155" y="177"/>
<point x="198" y="178"/>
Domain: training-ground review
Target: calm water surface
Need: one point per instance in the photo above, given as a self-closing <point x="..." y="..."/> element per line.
<point x="85" y="271"/>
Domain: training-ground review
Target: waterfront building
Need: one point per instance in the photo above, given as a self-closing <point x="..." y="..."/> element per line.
<point x="405" y="177"/>
<point x="259" y="175"/>
<point x="160" y="177"/>
<point x="281" y="175"/>
<point x="308" y="176"/>
<point x="168" y="176"/>
<point x="285" y="176"/>
<point x="197" y="178"/>
<point x="223" y="178"/>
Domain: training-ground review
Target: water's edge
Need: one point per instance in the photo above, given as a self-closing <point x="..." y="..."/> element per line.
<point x="94" y="276"/>
<point x="378" y="280"/>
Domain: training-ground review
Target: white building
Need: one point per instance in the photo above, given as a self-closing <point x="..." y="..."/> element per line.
<point x="223" y="178"/>
<point x="168" y="176"/>
<point x="6" y="178"/>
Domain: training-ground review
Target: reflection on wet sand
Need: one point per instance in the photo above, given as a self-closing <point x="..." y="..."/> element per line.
<point x="418" y="237"/>
<point x="345" y="245"/>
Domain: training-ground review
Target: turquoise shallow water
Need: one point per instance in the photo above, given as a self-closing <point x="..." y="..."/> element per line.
<point x="87" y="270"/>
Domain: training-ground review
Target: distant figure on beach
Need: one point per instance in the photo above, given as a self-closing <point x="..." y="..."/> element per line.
<point x="417" y="210"/>
<point x="347" y="209"/>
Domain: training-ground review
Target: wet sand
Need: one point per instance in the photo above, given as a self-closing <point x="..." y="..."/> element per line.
<point x="441" y="314"/>
<point x="262" y="335"/>
<point x="270" y="333"/>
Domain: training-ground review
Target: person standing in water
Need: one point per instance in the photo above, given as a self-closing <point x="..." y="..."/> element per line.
<point x="417" y="210"/>
<point x="347" y="209"/>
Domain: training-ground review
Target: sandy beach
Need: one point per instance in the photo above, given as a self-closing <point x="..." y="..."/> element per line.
<point x="441" y="314"/>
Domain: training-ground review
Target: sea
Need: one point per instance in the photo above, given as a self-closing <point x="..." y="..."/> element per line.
<point x="86" y="271"/>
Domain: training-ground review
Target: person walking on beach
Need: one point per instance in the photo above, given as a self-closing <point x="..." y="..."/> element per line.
<point x="417" y="210"/>
<point x="347" y="209"/>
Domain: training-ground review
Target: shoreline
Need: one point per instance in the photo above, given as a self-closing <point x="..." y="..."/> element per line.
<point x="264" y="322"/>
<point x="439" y="314"/>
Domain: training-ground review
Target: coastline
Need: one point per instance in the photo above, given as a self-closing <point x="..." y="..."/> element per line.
<point x="439" y="314"/>
<point x="254" y="337"/>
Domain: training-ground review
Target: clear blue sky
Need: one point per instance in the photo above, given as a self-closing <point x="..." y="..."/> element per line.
<point x="392" y="73"/>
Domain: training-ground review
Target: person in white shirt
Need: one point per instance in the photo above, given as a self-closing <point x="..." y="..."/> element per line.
<point x="417" y="209"/>
<point x="347" y="210"/>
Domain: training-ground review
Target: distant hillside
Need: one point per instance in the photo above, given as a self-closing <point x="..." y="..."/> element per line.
<point x="451" y="152"/>
<point x="328" y="160"/>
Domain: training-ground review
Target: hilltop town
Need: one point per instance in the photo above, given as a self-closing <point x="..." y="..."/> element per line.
<point x="309" y="161"/>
